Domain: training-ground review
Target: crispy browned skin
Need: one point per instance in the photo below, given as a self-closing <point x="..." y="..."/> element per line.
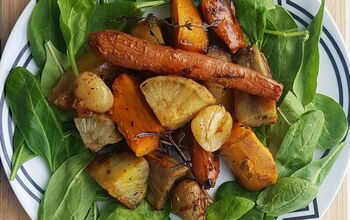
<point x="205" y="165"/>
<point x="127" y="51"/>
<point x="228" y="29"/>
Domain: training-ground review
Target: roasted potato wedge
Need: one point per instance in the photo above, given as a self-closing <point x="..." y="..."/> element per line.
<point x="97" y="131"/>
<point x="189" y="201"/>
<point x="228" y="29"/>
<point x="205" y="165"/>
<point x="253" y="110"/>
<point x="122" y="175"/>
<point x="164" y="172"/>
<point x="149" y="31"/>
<point x="194" y="38"/>
<point x="212" y="127"/>
<point x="91" y="94"/>
<point x="133" y="116"/>
<point x="250" y="161"/>
<point x="175" y="100"/>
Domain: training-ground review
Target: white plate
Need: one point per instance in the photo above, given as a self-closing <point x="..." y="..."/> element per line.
<point x="334" y="80"/>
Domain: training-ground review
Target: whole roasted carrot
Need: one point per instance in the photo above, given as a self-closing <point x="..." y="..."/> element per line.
<point x="124" y="50"/>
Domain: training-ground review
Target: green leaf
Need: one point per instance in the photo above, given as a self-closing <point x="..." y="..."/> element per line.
<point x="291" y="109"/>
<point x="305" y="83"/>
<point x="70" y="191"/>
<point x="287" y="195"/>
<point x="21" y="153"/>
<point x="231" y="207"/>
<point x="251" y="15"/>
<point x="144" y="211"/>
<point x="317" y="170"/>
<point x="299" y="143"/>
<point x="253" y="214"/>
<point x="260" y="133"/>
<point x="93" y="213"/>
<point x="336" y="124"/>
<point x="231" y="188"/>
<point x="275" y="134"/>
<point x="283" y="53"/>
<point x="44" y="26"/>
<point x="74" y="22"/>
<point x="56" y="63"/>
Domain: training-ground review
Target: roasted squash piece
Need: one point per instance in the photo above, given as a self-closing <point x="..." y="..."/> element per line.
<point x="228" y="29"/>
<point x="133" y="116"/>
<point x="250" y="161"/>
<point x="122" y="175"/>
<point x="164" y="172"/>
<point x="253" y="110"/>
<point x="189" y="201"/>
<point x="175" y="100"/>
<point x="149" y="31"/>
<point x="194" y="38"/>
<point x="205" y="165"/>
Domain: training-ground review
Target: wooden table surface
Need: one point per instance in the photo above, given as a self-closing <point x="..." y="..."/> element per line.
<point x="10" y="208"/>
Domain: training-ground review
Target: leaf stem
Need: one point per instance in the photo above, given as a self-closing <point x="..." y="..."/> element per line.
<point x="289" y="34"/>
<point x="73" y="63"/>
<point x="140" y="5"/>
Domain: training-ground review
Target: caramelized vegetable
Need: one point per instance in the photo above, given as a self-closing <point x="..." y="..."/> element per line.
<point x="169" y="98"/>
<point x="122" y="175"/>
<point x="92" y="94"/>
<point x="133" y="116"/>
<point x="217" y="52"/>
<point x="223" y="96"/>
<point x="149" y="31"/>
<point x="164" y="172"/>
<point x="249" y="109"/>
<point x="97" y="131"/>
<point x="189" y="201"/>
<point x="228" y="29"/>
<point x="212" y="127"/>
<point x="126" y="51"/>
<point x="192" y="39"/>
<point x="250" y="161"/>
<point x="205" y="165"/>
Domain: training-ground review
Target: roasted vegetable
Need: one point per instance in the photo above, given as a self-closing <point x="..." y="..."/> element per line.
<point x="205" y="165"/>
<point x="228" y="28"/>
<point x="62" y="94"/>
<point x="122" y="175"/>
<point x="164" y="172"/>
<point x="217" y="52"/>
<point x="97" y="131"/>
<point x="91" y="94"/>
<point x="250" y="161"/>
<point x="149" y="31"/>
<point x="194" y="38"/>
<point x="133" y="116"/>
<point x="249" y="109"/>
<point x="189" y="201"/>
<point x="141" y="55"/>
<point x="175" y="100"/>
<point x="212" y="127"/>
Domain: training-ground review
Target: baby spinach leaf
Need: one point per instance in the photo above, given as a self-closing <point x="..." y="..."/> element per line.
<point x="251" y="15"/>
<point x="70" y="191"/>
<point x="74" y="22"/>
<point x="282" y="53"/>
<point x="291" y="109"/>
<point x="253" y="214"/>
<point x="298" y="145"/>
<point x="305" y="83"/>
<point x="317" y="170"/>
<point x="44" y="26"/>
<point x="144" y="211"/>
<point x="21" y="153"/>
<point x="260" y="133"/>
<point x="56" y="63"/>
<point x="287" y="195"/>
<point x="231" y="188"/>
<point x="336" y="124"/>
<point x="231" y="207"/>
<point x="93" y="213"/>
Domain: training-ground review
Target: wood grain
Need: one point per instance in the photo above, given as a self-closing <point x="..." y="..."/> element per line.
<point x="10" y="209"/>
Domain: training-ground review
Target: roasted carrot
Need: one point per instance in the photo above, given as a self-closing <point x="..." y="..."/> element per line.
<point x="205" y="165"/>
<point x="126" y="51"/>
<point x="133" y="116"/>
<point x="194" y="39"/>
<point x="228" y="29"/>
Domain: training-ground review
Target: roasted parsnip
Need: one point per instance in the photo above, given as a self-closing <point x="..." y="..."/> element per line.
<point x="149" y="31"/>
<point x="251" y="162"/>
